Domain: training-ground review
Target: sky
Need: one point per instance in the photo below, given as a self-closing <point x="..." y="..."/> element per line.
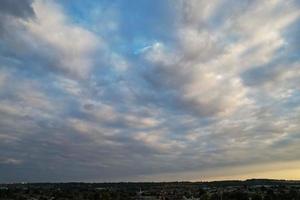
<point x="149" y="90"/>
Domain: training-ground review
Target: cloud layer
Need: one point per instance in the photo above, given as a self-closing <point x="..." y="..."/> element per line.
<point x="106" y="91"/>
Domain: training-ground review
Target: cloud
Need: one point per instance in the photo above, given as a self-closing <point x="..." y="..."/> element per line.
<point x="67" y="46"/>
<point x="215" y="89"/>
<point x="191" y="72"/>
<point x="10" y="161"/>
<point x="52" y="40"/>
<point x="17" y="8"/>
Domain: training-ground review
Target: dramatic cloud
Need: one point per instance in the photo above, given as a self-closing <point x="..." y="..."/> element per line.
<point x="106" y="91"/>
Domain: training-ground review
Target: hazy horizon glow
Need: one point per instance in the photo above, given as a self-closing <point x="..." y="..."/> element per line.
<point x="123" y="90"/>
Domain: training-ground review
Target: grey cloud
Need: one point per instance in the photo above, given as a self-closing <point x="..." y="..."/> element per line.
<point x="262" y="74"/>
<point x="17" y="8"/>
<point x="11" y="9"/>
<point x="290" y="34"/>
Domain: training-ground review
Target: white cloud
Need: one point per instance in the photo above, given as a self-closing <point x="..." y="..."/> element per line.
<point x="10" y="161"/>
<point x="159" y="141"/>
<point x="67" y="46"/>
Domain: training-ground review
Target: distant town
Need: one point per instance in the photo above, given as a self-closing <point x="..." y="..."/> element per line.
<point x="254" y="189"/>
